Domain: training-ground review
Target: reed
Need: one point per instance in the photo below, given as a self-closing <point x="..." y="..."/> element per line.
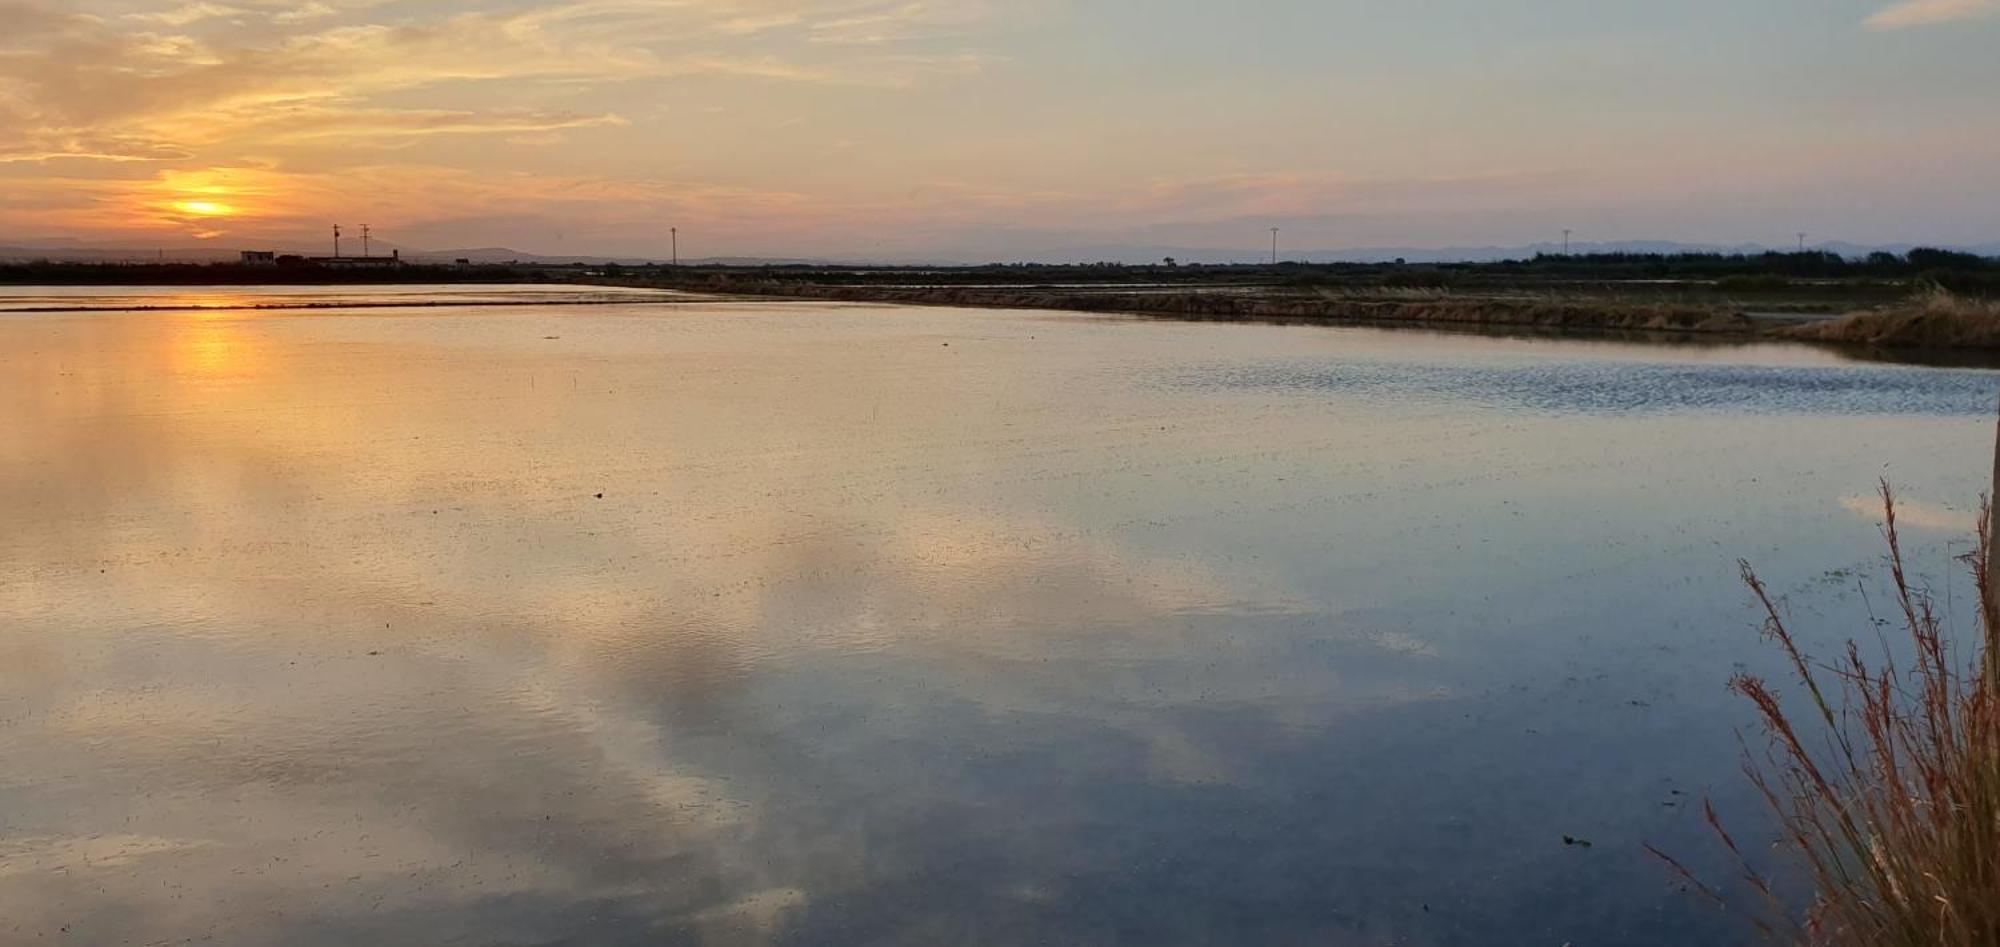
<point x="1932" y="318"/>
<point x="1884" y="781"/>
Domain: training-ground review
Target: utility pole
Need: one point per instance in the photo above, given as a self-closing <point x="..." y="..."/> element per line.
<point x="1274" y="246"/>
<point x="364" y="239"/>
<point x="676" y="232"/>
<point x="1802" y="243"/>
<point x="1566" y="233"/>
<point x="336" y="241"/>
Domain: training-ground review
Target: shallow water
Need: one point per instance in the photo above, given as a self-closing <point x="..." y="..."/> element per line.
<point x="751" y="622"/>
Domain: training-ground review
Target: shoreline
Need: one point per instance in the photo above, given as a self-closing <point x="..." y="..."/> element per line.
<point x="369" y="304"/>
<point x="1931" y="328"/>
<point x="1433" y="311"/>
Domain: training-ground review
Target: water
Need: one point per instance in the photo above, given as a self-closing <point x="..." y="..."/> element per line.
<point x="751" y="622"/>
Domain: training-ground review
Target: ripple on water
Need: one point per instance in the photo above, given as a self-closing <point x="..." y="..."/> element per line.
<point x="1609" y="388"/>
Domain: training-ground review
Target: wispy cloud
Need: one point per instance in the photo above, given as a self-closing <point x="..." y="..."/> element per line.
<point x="162" y="79"/>
<point x="1910" y="13"/>
<point x="838" y="126"/>
<point x="116" y="112"/>
<point x="189" y="13"/>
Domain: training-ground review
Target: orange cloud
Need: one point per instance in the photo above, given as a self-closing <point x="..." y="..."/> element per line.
<point x="296" y="102"/>
<point x="82" y="86"/>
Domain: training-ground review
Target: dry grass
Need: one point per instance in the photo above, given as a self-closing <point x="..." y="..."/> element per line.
<point x="1886" y="785"/>
<point x="1378" y="307"/>
<point x="1399" y="293"/>
<point x="1934" y="318"/>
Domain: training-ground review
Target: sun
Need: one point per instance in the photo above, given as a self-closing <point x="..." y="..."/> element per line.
<point x="204" y="208"/>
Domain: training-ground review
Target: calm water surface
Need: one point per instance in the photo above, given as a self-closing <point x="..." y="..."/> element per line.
<point x="751" y="622"/>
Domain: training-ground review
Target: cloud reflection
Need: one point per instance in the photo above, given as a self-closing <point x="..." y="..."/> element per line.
<point x="1921" y="514"/>
<point x="334" y="601"/>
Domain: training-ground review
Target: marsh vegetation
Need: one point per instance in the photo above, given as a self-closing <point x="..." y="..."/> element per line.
<point x="1882" y="775"/>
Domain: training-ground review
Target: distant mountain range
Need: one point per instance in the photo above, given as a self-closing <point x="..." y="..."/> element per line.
<point x="83" y="252"/>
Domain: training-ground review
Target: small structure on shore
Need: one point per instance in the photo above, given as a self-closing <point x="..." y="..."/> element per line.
<point x="366" y="261"/>
<point x="393" y="260"/>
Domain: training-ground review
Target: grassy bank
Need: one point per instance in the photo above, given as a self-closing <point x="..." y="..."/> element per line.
<point x="1359" y="308"/>
<point x="1932" y="319"/>
<point x="1897" y="306"/>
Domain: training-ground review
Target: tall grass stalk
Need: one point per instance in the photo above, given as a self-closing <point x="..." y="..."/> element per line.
<point x="1886" y="783"/>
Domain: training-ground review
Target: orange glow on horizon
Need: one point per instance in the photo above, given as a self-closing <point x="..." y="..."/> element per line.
<point x="205" y="208"/>
<point x="889" y="129"/>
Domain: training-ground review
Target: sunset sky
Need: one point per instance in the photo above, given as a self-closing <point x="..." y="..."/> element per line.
<point x="997" y="129"/>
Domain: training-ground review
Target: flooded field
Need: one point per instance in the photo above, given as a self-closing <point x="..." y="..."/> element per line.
<point x="685" y="620"/>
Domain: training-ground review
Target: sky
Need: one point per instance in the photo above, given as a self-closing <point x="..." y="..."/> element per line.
<point x="996" y="129"/>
